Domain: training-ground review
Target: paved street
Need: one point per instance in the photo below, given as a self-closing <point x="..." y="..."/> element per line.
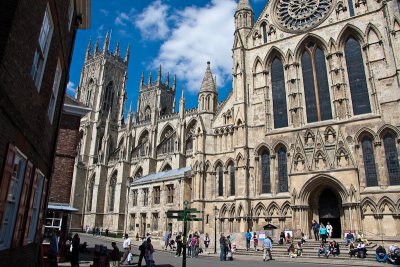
<point x="167" y="259"/>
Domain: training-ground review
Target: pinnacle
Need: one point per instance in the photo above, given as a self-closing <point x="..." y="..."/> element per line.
<point x="208" y="84"/>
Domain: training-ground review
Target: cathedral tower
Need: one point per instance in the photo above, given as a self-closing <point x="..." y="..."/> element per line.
<point x="208" y="94"/>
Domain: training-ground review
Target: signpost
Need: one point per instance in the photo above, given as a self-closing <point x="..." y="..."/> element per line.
<point x="185" y="216"/>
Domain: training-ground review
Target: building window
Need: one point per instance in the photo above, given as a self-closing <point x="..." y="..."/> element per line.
<point x="282" y="170"/>
<point x="37" y="192"/>
<point x="220" y="181"/>
<point x="53" y="222"/>
<point x="357" y="80"/>
<point x="145" y="197"/>
<point x="42" y="49"/>
<point x="392" y="158"/>
<point x="134" y="198"/>
<point x="316" y="88"/>
<point x="108" y="97"/>
<point x="157" y="192"/>
<point x="155" y="221"/>
<point x="90" y="194"/>
<point x="232" y="179"/>
<point x="54" y="92"/>
<point x="170" y="193"/>
<point x="369" y="161"/>
<point x="351" y="7"/>
<point x="279" y="94"/>
<point x="13" y="176"/>
<point x="111" y="192"/>
<point x="266" y="174"/>
<point x="147" y="114"/>
<point x="132" y="222"/>
<point x="264" y="32"/>
<point x="70" y="13"/>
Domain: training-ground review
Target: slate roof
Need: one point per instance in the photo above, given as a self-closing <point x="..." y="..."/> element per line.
<point x="243" y="4"/>
<point x="166" y="175"/>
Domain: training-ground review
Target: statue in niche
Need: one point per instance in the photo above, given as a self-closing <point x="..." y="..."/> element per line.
<point x="299" y="164"/>
<point x="320" y="163"/>
<point x="342" y="159"/>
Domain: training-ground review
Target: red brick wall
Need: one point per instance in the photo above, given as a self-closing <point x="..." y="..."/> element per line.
<point x="68" y="139"/>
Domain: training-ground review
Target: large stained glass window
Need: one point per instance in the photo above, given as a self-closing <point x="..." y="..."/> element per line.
<point x="266" y="177"/>
<point x="369" y="161"/>
<point x="232" y="179"/>
<point x="279" y="94"/>
<point x="357" y="80"/>
<point x="220" y="181"/>
<point x="282" y="170"/>
<point x="392" y="158"/>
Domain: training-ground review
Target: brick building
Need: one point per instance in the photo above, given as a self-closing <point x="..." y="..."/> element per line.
<point x="36" y="44"/>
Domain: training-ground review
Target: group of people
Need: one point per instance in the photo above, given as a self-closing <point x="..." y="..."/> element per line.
<point x="321" y="231"/>
<point x="249" y="236"/>
<point x="393" y="256"/>
<point x="328" y="249"/>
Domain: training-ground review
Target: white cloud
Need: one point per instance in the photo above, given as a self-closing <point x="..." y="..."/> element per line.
<point x="105" y="12"/>
<point x="200" y="34"/>
<point x="71" y="88"/>
<point x="152" y="22"/>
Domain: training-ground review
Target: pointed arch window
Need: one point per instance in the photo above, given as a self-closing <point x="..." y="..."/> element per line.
<point x="147" y="114"/>
<point x="108" y="97"/>
<point x="371" y="176"/>
<point x="220" y="173"/>
<point x="266" y="173"/>
<point x="90" y="194"/>
<point x="264" y="32"/>
<point x="316" y="87"/>
<point x="232" y="179"/>
<point x="279" y="94"/>
<point x="282" y="170"/>
<point x="111" y="192"/>
<point x="392" y="159"/>
<point x="357" y="79"/>
<point x="138" y="174"/>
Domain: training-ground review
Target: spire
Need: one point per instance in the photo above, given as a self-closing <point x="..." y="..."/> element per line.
<point x="243" y="5"/>
<point x="183" y="94"/>
<point x="159" y="75"/>
<point x="174" y="83"/>
<point x="142" y="79"/>
<point x="182" y="104"/>
<point x="117" y="50"/>
<point x="106" y="43"/>
<point x="128" y="49"/>
<point x="89" y="47"/>
<point x="96" y="46"/>
<point x="167" y="80"/>
<point x="208" y="84"/>
<point x="149" y="81"/>
<point x="130" y="108"/>
<point x="246" y="21"/>
<point x="130" y="114"/>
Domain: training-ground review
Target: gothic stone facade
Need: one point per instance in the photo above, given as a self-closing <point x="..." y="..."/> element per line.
<point x="309" y="131"/>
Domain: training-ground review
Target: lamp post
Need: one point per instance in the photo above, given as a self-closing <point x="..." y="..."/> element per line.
<point x="215" y="229"/>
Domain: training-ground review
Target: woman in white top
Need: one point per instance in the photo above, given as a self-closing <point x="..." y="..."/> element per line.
<point x="329" y="229"/>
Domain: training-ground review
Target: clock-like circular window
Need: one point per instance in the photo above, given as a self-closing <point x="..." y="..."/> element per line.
<point x="300" y="15"/>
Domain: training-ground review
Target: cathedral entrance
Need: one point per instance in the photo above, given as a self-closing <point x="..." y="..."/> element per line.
<point x="329" y="211"/>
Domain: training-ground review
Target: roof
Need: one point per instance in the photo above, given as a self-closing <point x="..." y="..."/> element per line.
<point x="166" y="175"/>
<point x="243" y="4"/>
<point x="74" y="107"/>
<point x="208" y="84"/>
<point x="61" y="206"/>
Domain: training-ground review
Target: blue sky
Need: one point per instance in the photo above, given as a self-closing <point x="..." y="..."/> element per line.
<point x="181" y="35"/>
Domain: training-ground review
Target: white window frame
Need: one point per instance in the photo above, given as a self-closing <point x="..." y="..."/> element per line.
<point x="13" y="198"/>
<point x="36" y="207"/>
<point x="42" y="50"/>
<point x="54" y="93"/>
<point x="70" y="13"/>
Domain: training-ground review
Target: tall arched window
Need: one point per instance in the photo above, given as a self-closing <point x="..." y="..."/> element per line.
<point x="90" y="194"/>
<point x="279" y="94"/>
<point x="108" y="97"/>
<point x="357" y="80"/>
<point x="369" y="161"/>
<point x="265" y="179"/>
<point x="392" y="159"/>
<point x="351" y="7"/>
<point x="264" y="32"/>
<point x="220" y="173"/>
<point x="282" y="170"/>
<point x="111" y="192"/>
<point x="316" y="88"/>
<point x="232" y="179"/>
<point x="147" y="114"/>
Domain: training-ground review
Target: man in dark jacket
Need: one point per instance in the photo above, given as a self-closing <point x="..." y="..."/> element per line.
<point x="315" y="227"/>
<point x="381" y="255"/>
<point x="142" y="249"/>
<point x="114" y="255"/>
<point x="178" y="240"/>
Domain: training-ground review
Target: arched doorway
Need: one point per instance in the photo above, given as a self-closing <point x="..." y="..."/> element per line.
<point x="329" y="211"/>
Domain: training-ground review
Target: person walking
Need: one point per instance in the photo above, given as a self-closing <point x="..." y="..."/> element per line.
<point x="315" y="227"/>
<point x="255" y="240"/>
<point x="149" y="257"/>
<point x="114" y="256"/>
<point x="74" y="257"/>
<point x="248" y="238"/>
<point x="189" y="245"/>
<point x="222" y="245"/>
<point x="329" y="229"/>
<point x="178" y="240"/>
<point x="54" y="248"/>
<point x="193" y="244"/>
<point x="142" y="249"/>
<point x="127" y="248"/>
<point x="206" y="243"/>
<point x="166" y="239"/>
<point x="267" y="245"/>
<point x="322" y="232"/>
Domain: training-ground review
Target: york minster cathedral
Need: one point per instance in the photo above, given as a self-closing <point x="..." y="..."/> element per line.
<point x="309" y="131"/>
